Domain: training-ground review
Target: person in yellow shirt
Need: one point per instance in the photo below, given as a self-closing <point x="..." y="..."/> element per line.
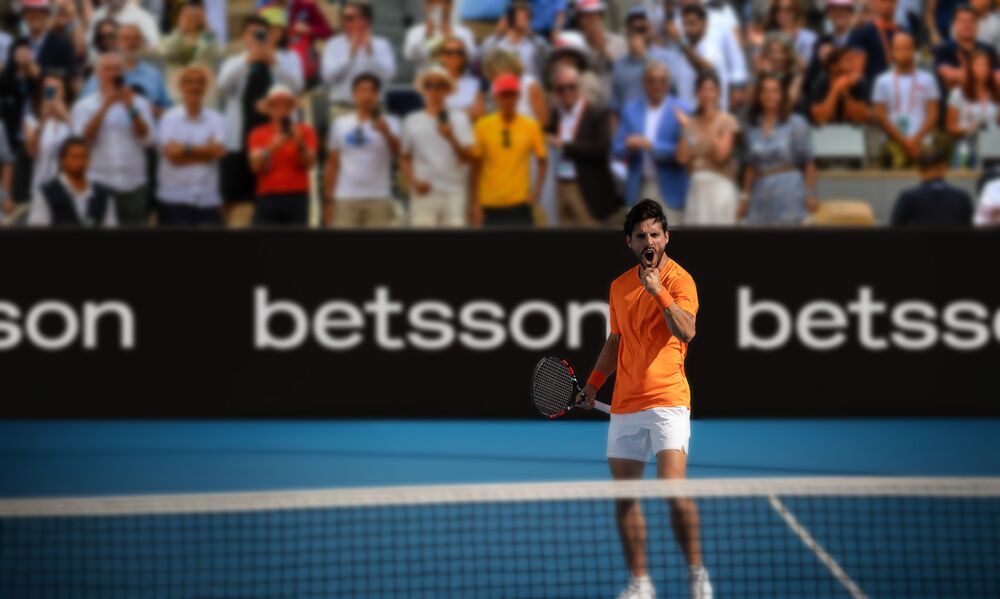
<point x="502" y="190"/>
<point x="652" y="311"/>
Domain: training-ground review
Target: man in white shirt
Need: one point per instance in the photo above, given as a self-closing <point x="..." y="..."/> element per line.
<point x="423" y="38"/>
<point x="190" y="141"/>
<point x="703" y="48"/>
<point x="355" y="51"/>
<point x="514" y="34"/>
<point x="437" y="146"/>
<point x="118" y="124"/>
<point x="128" y="11"/>
<point x="361" y="147"/>
<point x="906" y="103"/>
<point x="70" y="199"/>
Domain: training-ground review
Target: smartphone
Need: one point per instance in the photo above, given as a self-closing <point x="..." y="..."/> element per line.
<point x="119" y="81"/>
<point x="50" y="92"/>
<point x="260" y="35"/>
<point x="286" y="125"/>
<point x="443" y="117"/>
<point x="376" y="113"/>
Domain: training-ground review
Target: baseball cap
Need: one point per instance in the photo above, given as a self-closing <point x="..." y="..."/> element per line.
<point x="506" y="83"/>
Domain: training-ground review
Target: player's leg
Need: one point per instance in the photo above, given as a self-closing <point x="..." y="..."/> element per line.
<point x="672" y="464"/>
<point x="628" y="515"/>
<point x="628" y="450"/>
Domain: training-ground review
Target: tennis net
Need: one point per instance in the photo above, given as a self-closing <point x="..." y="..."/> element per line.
<point x="789" y="537"/>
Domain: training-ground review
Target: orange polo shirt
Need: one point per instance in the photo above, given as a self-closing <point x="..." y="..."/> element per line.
<point x="650" y="370"/>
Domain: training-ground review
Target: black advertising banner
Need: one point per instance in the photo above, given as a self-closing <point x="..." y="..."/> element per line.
<point x="449" y="325"/>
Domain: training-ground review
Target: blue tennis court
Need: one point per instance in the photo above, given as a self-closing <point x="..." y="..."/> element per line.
<point x="913" y="546"/>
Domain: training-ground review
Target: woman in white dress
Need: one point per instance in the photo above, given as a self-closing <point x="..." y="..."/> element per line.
<point x="46" y="126"/>
<point x="706" y="148"/>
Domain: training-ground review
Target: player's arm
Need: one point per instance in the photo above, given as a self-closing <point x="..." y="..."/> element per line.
<point x="607" y="363"/>
<point x="680" y="321"/>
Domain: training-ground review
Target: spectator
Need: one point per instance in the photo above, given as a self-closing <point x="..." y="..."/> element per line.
<point x="140" y="75"/>
<point x="506" y="141"/>
<point x="972" y="107"/>
<point x="190" y="141"/>
<point x="243" y="80"/>
<point x="104" y="39"/>
<point x="840" y="16"/>
<point x="437" y="147"/>
<point x="875" y="39"/>
<point x="950" y="57"/>
<point x="707" y="149"/>
<point x="358" y="172"/>
<point x="513" y="34"/>
<point x="569" y="50"/>
<point x="647" y="139"/>
<point x="423" y="39"/>
<point x="938" y="16"/>
<point x="18" y="84"/>
<point x="777" y="57"/>
<point x="840" y="95"/>
<point x="786" y="17"/>
<point x="277" y="37"/>
<point x="47" y="126"/>
<point x="581" y="133"/>
<point x="531" y="98"/>
<point x="818" y="68"/>
<point x="191" y="42"/>
<point x="50" y="51"/>
<point x="6" y="174"/>
<point x="453" y="55"/>
<point x="627" y="74"/>
<point x="906" y="104"/>
<point x="281" y="154"/>
<point x="353" y="52"/>
<point x="933" y="203"/>
<point x="700" y="53"/>
<point x="605" y="48"/>
<point x="988" y="22"/>
<point x="67" y="23"/>
<point x="306" y="25"/>
<point x="118" y="125"/>
<point x="779" y="178"/>
<point x="128" y="12"/>
<point x="73" y="199"/>
<point x="548" y="17"/>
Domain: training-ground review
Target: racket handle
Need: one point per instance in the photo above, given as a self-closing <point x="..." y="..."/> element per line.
<point x="602" y="407"/>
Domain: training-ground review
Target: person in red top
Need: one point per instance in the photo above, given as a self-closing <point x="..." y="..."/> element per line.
<point x="652" y="313"/>
<point x="281" y="154"/>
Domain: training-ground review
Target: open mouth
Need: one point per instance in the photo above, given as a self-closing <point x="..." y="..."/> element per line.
<point x="648" y="255"/>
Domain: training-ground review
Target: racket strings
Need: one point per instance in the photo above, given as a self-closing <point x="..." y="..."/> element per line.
<point x="552" y="387"/>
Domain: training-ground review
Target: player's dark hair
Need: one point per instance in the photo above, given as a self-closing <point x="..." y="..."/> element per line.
<point x="366" y="77"/>
<point x="643" y="211"/>
<point x="695" y="9"/>
<point x="71" y="142"/>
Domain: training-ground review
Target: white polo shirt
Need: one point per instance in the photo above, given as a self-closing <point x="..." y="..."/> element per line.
<point x="118" y="157"/>
<point x="365" y="158"/>
<point x="905" y="97"/>
<point x="340" y="68"/>
<point x="194" y="184"/>
<point x="434" y="160"/>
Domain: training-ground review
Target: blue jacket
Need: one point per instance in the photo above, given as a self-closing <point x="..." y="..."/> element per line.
<point x="670" y="175"/>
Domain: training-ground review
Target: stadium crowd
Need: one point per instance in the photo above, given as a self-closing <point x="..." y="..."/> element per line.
<point x="140" y="112"/>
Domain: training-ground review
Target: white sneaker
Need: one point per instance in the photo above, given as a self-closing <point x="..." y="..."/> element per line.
<point x="701" y="587"/>
<point x="639" y="588"/>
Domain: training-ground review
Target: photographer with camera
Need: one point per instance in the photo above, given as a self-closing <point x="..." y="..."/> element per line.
<point x="281" y="154"/>
<point x="118" y="125"/>
<point x="46" y="126"/>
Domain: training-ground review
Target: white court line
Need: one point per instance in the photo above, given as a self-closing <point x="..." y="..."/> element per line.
<point x="808" y="540"/>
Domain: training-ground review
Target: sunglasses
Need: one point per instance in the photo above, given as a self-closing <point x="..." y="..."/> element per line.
<point x="436" y="86"/>
<point x="568" y="87"/>
<point x="505" y="139"/>
<point x="453" y="52"/>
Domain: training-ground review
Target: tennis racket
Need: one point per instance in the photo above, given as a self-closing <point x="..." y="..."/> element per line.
<point x="554" y="388"/>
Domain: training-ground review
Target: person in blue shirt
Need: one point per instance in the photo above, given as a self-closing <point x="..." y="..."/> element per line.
<point x="647" y="138"/>
<point x="141" y="76"/>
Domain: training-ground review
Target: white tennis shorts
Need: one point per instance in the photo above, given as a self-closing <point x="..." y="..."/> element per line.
<point x="640" y="435"/>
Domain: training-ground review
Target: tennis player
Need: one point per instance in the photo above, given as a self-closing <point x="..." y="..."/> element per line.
<point x="653" y="310"/>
